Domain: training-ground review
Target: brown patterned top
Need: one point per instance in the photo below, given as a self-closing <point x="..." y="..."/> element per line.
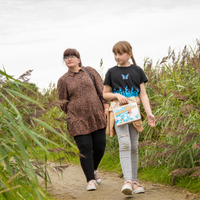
<point x="85" y="112"/>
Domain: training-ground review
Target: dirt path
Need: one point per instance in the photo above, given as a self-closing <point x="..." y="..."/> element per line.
<point x="73" y="186"/>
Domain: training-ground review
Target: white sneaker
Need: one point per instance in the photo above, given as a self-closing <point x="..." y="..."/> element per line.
<point x="97" y="177"/>
<point x="137" y="188"/>
<point x="127" y="188"/>
<point x="91" y="185"/>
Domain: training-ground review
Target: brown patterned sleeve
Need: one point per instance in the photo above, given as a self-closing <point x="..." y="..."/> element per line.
<point x="62" y="94"/>
<point x="98" y="83"/>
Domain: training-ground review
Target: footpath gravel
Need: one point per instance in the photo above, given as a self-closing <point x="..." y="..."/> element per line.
<point x="72" y="185"/>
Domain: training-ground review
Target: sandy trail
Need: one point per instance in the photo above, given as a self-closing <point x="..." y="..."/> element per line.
<point x="73" y="186"/>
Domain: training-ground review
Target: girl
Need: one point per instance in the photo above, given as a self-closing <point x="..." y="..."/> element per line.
<point x="122" y="81"/>
<point x="86" y="116"/>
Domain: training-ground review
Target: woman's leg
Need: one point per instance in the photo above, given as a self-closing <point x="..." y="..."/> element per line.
<point x="85" y="145"/>
<point x="134" y="135"/>
<point x="92" y="147"/>
<point x="125" y="150"/>
<point x="99" y="144"/>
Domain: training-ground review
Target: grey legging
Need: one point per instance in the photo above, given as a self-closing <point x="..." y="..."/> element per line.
<point x="128" y="150"/>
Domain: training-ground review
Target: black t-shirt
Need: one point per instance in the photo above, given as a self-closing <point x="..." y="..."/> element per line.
<point x="125" y="80"/>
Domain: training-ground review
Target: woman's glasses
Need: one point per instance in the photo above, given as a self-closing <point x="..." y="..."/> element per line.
<point x="69" y="57"/>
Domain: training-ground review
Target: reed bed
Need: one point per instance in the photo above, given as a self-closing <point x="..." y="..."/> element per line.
<point x="30" y="131"/>
<point x="174" y="93"/>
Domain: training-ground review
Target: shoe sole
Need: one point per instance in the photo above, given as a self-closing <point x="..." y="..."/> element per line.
<point x="127" y="191"/>
<point x="91" y="189"/>
<point x="138" y="191"/>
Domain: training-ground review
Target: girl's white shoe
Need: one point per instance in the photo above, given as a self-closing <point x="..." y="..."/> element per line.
<point x="137" y="188"/>
<point x="127" y="188"/>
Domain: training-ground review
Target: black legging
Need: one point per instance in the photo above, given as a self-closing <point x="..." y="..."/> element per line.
<point x="92" y="147"/>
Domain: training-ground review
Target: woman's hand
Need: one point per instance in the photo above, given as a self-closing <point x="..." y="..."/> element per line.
<point x="122" y="99"/>
<point x="151" y="120"/>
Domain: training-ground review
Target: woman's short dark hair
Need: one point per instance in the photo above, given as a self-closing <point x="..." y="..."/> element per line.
<point x="72" y="52"/>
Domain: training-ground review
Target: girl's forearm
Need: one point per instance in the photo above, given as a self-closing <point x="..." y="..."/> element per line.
<point x="109" y="96"/>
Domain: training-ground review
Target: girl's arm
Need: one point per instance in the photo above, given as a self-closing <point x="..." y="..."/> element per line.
<point x="108" y="95"/>
<point x="145" y="102"/>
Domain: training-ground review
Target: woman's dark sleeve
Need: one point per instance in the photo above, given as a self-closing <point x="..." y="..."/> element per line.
<point x="62" y="94"/>
<point x="98" y="83"/>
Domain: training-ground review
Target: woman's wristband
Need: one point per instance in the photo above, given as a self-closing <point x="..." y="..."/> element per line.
<point x="106" y="109"/>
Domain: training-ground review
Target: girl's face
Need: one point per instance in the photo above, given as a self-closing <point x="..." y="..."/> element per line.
<point x="122" y="59"/>
<point x="71" y="61"/>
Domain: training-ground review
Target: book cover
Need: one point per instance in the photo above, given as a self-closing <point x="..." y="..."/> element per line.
<point x="126" y="114"/>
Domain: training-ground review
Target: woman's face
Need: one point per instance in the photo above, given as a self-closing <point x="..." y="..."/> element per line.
<point x="71" y="61"/>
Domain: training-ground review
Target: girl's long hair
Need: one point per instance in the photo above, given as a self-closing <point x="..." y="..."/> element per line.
<point x="72" y="52"/>
<point x="124" y="47"/>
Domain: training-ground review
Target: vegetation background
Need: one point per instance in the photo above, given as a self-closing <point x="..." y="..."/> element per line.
<point x="33" y="130"/>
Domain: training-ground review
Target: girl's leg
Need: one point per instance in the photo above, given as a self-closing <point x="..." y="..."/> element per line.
<point x="134" y="135"/>
<point x="137" y="188"/>
<point x="125" y="150"/>
<point x="99" y="144"/>
<point x="85" y="145"/>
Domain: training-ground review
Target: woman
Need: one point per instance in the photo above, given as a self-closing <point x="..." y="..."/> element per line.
<point x="86" y="113"/>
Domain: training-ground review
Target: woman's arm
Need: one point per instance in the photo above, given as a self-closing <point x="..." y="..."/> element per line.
<point x="98" y="84"/>
<point x="108" y="95"/>
<point x="62" y="95"/>
<point x="145" y="102"/>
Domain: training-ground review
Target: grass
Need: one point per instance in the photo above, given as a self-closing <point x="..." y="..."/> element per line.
<point x="111" y="163"/>
<point x="161" y="175"/>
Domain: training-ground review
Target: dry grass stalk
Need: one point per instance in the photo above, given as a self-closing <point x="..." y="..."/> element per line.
<point x="184" y="128"/>
<point x="188" y="138"/>
<point x="181" y="172"/>
<point x="196" y="174"/>
<point x="164" y="60"/>
<point x="57" y="150"/>
<point x="162" y="145"/>
<point x="145" y="143"/>
<point x="60" y="168"/>
<point x="61" y="158"/>
<point x="24" y="77"/>
<point x="37" y="164"/>
<point x="156" y="88"/>
<point x="196" y="146"/>
<point x="149" y="66"/>
<point x="186" y="109"/>
<point x="160" y="118"/>
<point x="197" y="155"/>
<point x="179" y="95"/>
<point x="144" y="158"/>
<point x="184" y="171"/>
<point x="176" y="133"/>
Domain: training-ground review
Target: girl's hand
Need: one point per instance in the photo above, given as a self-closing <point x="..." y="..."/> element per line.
<point x="122" y="99"/>
<point x="151" y="120"/>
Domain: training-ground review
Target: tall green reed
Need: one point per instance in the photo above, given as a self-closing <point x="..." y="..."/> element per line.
<point x="22" y="129"/>
<point x="173" y="90"/>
